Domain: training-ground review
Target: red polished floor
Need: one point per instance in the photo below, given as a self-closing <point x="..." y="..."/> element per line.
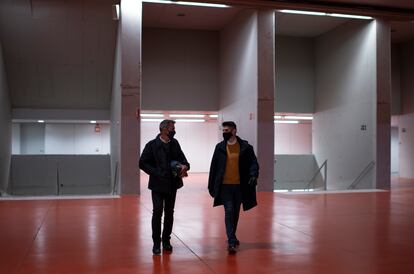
<point x="337" y="233"/>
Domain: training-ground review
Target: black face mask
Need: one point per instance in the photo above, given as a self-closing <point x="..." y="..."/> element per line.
<point x="227" y="136"/>
<point x="171" y="134"/>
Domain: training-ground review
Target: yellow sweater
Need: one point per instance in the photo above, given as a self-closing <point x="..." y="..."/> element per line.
<point x="232" y="175"/>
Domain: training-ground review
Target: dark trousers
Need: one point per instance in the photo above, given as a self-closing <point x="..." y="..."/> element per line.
<point x="231" y="198"/>
<point x="162" y="202"/>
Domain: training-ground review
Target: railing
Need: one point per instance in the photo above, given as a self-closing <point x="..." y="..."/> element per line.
<point x="325" y="164"/>
<point x="114" y="190"/>
<point x="361" y="175"/>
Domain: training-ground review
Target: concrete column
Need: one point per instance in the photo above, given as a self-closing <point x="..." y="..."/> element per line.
<point x="131" y="28"/>
<point x="383" y="136"/>
<point x="266" y="97"/>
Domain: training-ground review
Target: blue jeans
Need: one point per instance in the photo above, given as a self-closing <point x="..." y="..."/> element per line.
<point x="231" y="198"/>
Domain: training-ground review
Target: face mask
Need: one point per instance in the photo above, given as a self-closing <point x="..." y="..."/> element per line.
<point x="227" y="136"/>
<point x="171" y="134"/>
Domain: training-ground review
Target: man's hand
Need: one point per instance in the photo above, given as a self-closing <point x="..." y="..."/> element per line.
<point x="184" y="169"/>
<point x="252" y="181"/>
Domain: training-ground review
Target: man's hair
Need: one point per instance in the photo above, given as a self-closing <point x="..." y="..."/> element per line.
<point x="229" y="124"/>
<point x="165" y="123"/>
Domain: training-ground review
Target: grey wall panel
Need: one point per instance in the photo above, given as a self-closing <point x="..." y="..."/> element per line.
<point x="69" y="62"/>
<point x="394" y="150"/>
<point x="5" y="127"/>
<point x="33" y="175"/>
<point x="295" y="172"/>
<point x="83" y="174"/>
<point x="60" y="174"/>
<point x="180" y="69"/>
<point x="295" y="74"/>
<point x="345" y="101"/>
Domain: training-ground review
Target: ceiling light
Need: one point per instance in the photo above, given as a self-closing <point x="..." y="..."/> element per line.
<point x="187" y="115"/>
<point x="350" y="16"/>
<point x="316" y="13"/>
<point x="277" y="117"/>
<point x="40" y="121"/>
<point x="151" y="120"/>
<point x="286" y="122"/>
<point x="92" y="122"/>
<point x="191" y="120"/>
<point x="152" y="115"/>
<point x="213" y="116"/>
<point x="304" y="12"/>
<point x="207" y="5"/>
<point x="299" y="117"/>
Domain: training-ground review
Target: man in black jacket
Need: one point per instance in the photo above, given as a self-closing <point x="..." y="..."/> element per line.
<point x="233" y="178"/>
<point x="166" y="164"/>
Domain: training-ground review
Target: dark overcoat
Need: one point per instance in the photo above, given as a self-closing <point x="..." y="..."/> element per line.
<point x="155" y="161"/>
<point x="248" y="167"/>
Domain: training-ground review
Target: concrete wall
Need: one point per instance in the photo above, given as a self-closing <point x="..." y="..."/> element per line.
<point x="395" y="143"/>
<point x="406" y="149"/>
<point x="238" y="75"/>
<point x="116" y="101"/>
<point x="5" y="125"/>
<point x="54" y="174"/>
<point x="180" y="69"/>
<point x="407" y="80"/>
<point x="293" y="138"/>
<point x="295" y="74"/>
<point x="396" y="80"/>
<point x="296" y="171"/>
<point x="345" y="100"/>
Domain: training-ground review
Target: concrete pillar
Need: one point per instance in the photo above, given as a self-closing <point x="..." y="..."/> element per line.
<point x="383" y="136"/>
<point x="131" y="29"/>
<point x="266" y="97"/>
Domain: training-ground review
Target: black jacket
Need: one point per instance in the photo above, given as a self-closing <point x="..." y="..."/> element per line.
<point x="248" y="167"/>
<point x="155" y="161"/>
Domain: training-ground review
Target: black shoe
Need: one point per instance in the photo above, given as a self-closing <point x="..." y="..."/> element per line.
<point x="166" y="246"/>
<point x="231" y="248"/>
<point x="237" y="243"/>
<point x="156" y="249"/>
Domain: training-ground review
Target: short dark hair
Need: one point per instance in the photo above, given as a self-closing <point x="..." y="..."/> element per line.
<point x="229" y="124"/>
<point x="165" y="123"/>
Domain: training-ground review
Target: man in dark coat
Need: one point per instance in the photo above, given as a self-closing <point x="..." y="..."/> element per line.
<point x="233" y="178"/>
<point x="166" y="164"/>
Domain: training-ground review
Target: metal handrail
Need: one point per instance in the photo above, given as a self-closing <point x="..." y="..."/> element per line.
<point x="325" y="164"/>
<point x="361" y="175"/>
<point x="115" y="179"/>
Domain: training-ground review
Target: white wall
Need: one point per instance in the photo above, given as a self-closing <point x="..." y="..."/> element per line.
<point x="60" y="139"/>
<point x="406" y="149"/>
<point x="295" y="75"/>
<point x="182" y="68"/>
<point x="345" y="100"/>
<point x="394" y="150"/>
<point x="76" y="139"/>
<point x="238" y="75"/>
<point x="16" y="138"/>
<point x="5" y="126"/>
<point x="32" y="138"/>
<point x="197" y="141"/>
<point x="293" y="138"/>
